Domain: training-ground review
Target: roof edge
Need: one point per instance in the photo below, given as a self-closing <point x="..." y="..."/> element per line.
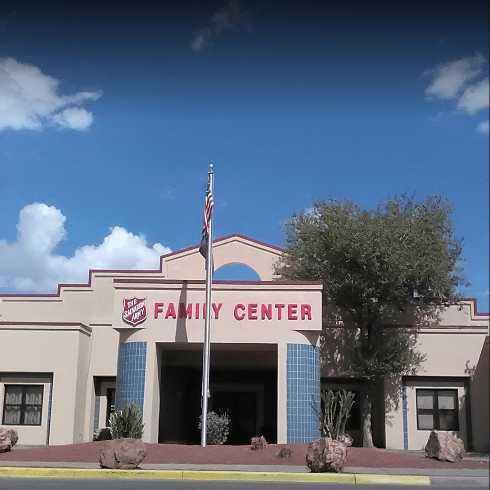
<point x="72" y="325"/>
<point x="217" y="282"/>
<point x="475" y="312"/>
<point x="277" y="248"/>
<point x="91" y="272"/>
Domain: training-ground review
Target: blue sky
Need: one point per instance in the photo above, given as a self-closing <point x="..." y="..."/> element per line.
<point x="292" y="101"/>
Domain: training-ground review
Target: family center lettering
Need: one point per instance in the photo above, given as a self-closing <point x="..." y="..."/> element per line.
<point x="249" y="311"/>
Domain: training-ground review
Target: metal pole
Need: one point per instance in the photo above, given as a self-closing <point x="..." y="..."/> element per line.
<point x="207" y="321"/>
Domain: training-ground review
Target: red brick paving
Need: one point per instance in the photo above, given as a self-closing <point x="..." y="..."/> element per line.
<point x="186" y="454"/>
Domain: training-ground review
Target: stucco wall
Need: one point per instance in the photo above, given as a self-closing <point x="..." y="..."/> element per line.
<point x="62" y="351"/>
<point x="449" y="354"/>
<point x="479" y="401"/>
<point x="189" y="264"/>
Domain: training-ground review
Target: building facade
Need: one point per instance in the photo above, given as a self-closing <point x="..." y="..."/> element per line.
<point x="68" y="359"/>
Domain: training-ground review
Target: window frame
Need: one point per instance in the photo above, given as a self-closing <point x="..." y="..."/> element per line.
<point x="23" y="405"/>
<point x="435" y="410"/>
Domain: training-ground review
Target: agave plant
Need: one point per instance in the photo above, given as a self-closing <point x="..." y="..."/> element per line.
<point x="127" y="422"/>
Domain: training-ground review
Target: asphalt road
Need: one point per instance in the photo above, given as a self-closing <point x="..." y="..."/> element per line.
<point x="61" y="484"/>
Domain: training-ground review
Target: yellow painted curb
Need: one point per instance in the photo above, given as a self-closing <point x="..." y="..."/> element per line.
<point x="23" y="472"/>
<point x="367" y="479"/>
<point x="269" y="476"/>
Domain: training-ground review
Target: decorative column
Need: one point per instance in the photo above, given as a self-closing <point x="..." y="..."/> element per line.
<point x="405" y="415"/>
<point x="303" y="398"/>
<point x="131" y="368"/>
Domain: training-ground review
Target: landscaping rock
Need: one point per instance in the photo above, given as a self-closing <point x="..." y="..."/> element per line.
<point x="326" y="455"/>
<point x="258" y="442"/>
<point x="284" y="452"/>
<point x="103" y="434"/>
<point x="444" y="446"/>
<point x="124" y="454"/>
<point x="346" y="439"/>
<point x="8" y="439"/>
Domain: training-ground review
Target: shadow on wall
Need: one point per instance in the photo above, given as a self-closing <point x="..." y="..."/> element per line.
<point x="463" y="430"/>
<point x="338" y="358"/>
<point x="480" y="400"/>
<point x="181" y="331"/>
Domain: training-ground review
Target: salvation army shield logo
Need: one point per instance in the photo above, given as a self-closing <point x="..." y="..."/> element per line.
<point x="134" y="311"/>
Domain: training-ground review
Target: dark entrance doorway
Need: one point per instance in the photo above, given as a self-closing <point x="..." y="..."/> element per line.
<point x="243" y="383"/>
<point x="241" y="408"/>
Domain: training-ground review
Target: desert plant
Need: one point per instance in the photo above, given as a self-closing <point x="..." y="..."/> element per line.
<point x="218" y="427"/>
<point x="127" y="422"/>
<point x="336" y="408"/>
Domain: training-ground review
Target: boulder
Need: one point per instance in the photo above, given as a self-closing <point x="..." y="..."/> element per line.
<point x="284" y="453"/>
<point x="258" y="443"/>
<point x="346" y="439"/>
<point x="124" y="454"/>
<point x="444" y="446"/>
<point x="8" y="439"/>
<point x="14" y="437"/>
<point x="326" y="455"/>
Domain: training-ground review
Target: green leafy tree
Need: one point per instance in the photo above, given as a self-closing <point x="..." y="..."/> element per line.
<point x="384" y="271"/>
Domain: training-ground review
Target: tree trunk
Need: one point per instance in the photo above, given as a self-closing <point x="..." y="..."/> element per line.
<point x="366" y="416"/>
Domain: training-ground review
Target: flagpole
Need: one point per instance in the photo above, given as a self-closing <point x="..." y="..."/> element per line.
<point x="207" y="321"/>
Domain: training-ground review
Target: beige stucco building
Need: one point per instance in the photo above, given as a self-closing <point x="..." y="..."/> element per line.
<point x="67" y="359"/>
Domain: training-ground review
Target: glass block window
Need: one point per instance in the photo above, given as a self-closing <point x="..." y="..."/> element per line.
<point x="303" y="393"/>
<point x="131" y="371"/>
<point x="23" y="405"/>
<point x="437" y="409"/>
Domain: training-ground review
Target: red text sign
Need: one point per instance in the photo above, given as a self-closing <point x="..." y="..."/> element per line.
<point x="249" y="311"/>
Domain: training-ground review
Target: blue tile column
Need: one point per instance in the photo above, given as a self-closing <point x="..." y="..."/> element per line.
<point x="96" y="412"/>
<point x="405" y="415"/>
<point x="303" y="399"/>
<point x="131" y="368"/>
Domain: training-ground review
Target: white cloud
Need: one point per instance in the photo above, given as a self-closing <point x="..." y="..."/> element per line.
<point x="30" y="263"/>
<point x="201" y="39"/>
<point x="483" y="127"/>
<point x="30" y="99"/>
<point x="475" y="97"/>
<point x="228" y="18"/>
<point x="448" y="79"/>
<point x="74" y="118"/>
<point x="459" y="80"/>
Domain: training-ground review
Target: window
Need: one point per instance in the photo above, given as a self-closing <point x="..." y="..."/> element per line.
<point x="111" y="395"/>
<point x="354" y="421"/>
<point x="437" y="409"/>
<point x="22" y="405"/>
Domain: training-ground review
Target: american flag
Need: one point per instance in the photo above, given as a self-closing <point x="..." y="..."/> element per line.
<point x="208" y="210"/>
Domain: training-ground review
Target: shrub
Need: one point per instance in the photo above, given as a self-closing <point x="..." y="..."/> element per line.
<point x="127" y="422"/>
<point x="218" y="427"/>
<point x="336" y="408"/>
